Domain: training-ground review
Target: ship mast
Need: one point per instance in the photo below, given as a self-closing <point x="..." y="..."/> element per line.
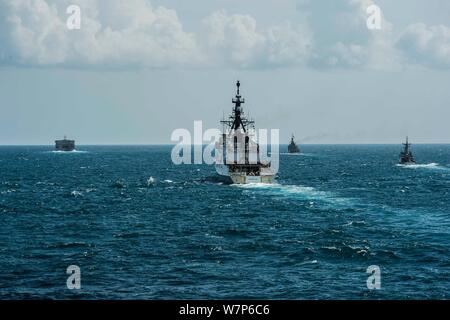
<point x="237" y="119"/>
<point x="407" y="145"/>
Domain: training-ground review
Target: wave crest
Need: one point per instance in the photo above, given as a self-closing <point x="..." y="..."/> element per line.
<point x="432" y="165"/>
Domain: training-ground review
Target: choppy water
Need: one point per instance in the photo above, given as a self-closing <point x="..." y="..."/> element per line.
<point x="140" y="227"/>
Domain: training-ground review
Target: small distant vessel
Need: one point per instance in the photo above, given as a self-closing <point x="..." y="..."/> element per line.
<point x="65" y="145"/>
<point x="406" y="156"/>
<point x="237" y="152"/>
<point x="293" y="147"/>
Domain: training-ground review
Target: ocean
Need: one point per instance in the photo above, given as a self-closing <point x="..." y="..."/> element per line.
<point x="140" y="227"/>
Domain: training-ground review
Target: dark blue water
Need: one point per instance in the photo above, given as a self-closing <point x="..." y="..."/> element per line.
<point x="335" y="211"/>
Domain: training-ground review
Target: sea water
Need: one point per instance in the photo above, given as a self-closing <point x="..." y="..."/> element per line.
<point x="140" y="227"/>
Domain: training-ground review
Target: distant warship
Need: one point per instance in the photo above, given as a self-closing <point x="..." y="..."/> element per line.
<point x="65" y="145"/>
<point x="293" y="147"/>
<point x="406" y="156"/>
<point x="237" y="152"/>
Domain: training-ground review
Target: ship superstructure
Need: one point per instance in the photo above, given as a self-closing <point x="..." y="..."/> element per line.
<point x="293" y="147"/>
<point x="406" y="156"/>
<point x="65" y="145"/>
<point x="237" y="151"/>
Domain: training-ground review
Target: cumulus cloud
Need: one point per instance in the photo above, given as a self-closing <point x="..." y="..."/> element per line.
<point x="233" y="38"/>
<point x="289" y="44"/>
<point x="343" y="40"/>
<point x="117" y="33"/>
<point x="428" y="45"/>
<point x="112" y="33"/>
<point x="134" y="33"/>
<point x="236" y="39"/>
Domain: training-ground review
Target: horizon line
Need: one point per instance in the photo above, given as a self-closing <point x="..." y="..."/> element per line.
<point x="205" y="144"/>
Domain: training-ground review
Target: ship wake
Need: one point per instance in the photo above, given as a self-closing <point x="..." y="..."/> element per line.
<point x="298" y="192"/>
<point x="432" y="165"/>
<point x="68" y="152"/>
<point x="301" y="154"/>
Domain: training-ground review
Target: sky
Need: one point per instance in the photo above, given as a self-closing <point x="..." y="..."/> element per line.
<point x="137" y="70"/>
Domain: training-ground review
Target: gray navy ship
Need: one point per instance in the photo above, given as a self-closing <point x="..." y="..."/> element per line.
<point x="237" y="151"/>
<point x="406" y="156"/>
<point x="65" y="145"/>
<point x="293" y="147"/>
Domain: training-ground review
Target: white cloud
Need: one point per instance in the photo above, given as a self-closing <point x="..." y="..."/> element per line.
<point x="348" y="55"/>
<point x="236" y="39"/>
<point x="32" y="31"/>
<point x="289" y="44"/>
<point x="429" y="45"/>
<point x="233" y="38"/>
<point x="115" y="33"/>
<point x="343" y="39"/>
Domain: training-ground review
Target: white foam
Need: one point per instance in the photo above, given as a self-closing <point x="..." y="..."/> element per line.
<point x="303" y="192"/>
<point x="68" y="152"/>
<point x="289" y="189"/>
<point x="332" y="248"/>
<point x="432" y="165"/>
<point x="151" y="181"/>
<point x="8" y="191"/>
<point x="308" y="262"/>
<point x="76" y="193"/>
